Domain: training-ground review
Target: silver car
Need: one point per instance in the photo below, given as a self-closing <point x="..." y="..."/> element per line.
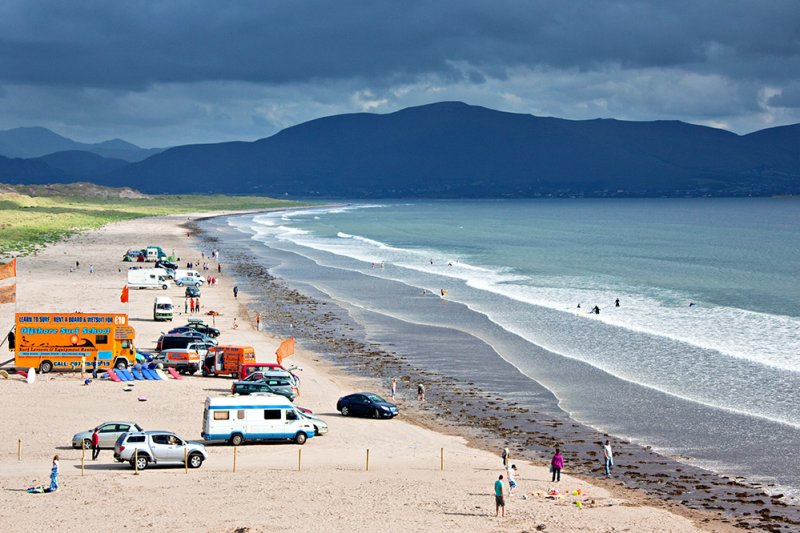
<point x="320" y="426"/>
<point x="141" y="448"/>
<point x="108" y="432"/>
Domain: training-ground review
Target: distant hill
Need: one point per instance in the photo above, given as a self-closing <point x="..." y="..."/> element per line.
<point x="36" y="142"/>
<point x="82" y="165"/>
<point x="30" y="171"/>
<point x="451" y="149"/>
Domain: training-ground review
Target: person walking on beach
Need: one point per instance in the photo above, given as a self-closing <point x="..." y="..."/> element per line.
<point x="258" y="321"/>
<point x="191" y="305"/>
<point x="236" y="292"/>
<point x="91" y="269"/>
<point x="506" y="455"/>
<point x="512" y="479"/>
<point x="499" y="500"/>
<point x="556" y="464"/>
<point x="608" y="457"/>
<point x="95" y="444"/>
<point x="54" y="470"/>
<point x="421" y="392"/>
<point x="186" y="306"/>
<point x="394" y="387"/>
<point x="235" y="324"/>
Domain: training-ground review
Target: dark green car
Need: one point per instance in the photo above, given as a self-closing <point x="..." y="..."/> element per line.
<point x="273" y="386"/>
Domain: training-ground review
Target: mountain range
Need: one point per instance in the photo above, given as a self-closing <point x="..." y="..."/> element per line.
<point x="455" y="150"/>
<point x="36" y="142"/>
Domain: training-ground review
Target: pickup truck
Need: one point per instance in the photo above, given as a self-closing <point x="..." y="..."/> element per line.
<point x="140" y="448"/>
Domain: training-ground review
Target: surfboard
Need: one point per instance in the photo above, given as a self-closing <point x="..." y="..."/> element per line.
<point x="160" y="373"/>
<point x="3" y="374"/>
<point x="31" y="376"/>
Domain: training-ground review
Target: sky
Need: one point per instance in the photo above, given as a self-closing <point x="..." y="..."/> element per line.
<point x="163" y="73"/>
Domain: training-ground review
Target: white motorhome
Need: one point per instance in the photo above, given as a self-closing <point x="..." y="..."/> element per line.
<point x="148" y="278"/>
<point x="162" y="308"/>
<point x="254" y="417"/>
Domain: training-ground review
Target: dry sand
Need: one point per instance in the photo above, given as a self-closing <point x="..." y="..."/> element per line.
<point x="404" y="489"/>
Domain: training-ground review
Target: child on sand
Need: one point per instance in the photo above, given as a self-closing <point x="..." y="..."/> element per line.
<point x="54" y="470"/>
<point x="512" y="479"/>
<point x="556" y="464"/>
<point x="235" y="325"/>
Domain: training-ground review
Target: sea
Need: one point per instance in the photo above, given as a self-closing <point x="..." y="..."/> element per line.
<point x="695" y="350"/>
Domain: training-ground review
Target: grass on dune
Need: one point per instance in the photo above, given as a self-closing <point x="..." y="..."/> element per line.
<point x="29" y="222"/>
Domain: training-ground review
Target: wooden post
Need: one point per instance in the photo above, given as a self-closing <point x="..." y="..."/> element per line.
<point x="441" y="455"/>
<point x="234" y="458"/>
<point x="136" y="462"/>
<point x="367" y="459"/>
<point x="186" y="459"/>
<point x="299" y="458"/>
<point x="19" y="449"/>
<point x="83" y="457"/>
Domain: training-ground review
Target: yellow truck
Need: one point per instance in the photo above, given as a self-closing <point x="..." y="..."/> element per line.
<point x="65" y="341"/>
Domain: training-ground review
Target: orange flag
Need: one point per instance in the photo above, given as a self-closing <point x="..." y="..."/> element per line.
<point x="9" y="270"/>
<point x="8" y="294"/>
<point x="285" y="349"/>
<point x="124" y="296"/>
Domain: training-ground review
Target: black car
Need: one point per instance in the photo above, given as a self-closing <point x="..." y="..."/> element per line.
<point x="192" y="292"/>
<point x="366" y="404"/>
<point x="172" y="341"/>
<point x="199" y="327"/>
<point x="166" y="265"/>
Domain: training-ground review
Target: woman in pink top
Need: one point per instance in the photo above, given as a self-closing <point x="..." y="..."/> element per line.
<point x="556" y="464"/>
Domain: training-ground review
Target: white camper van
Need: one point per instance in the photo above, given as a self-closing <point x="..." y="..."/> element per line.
<point x="148" y="278"/>
<point x="162" y="308"/>
<point x="254" y="417"/>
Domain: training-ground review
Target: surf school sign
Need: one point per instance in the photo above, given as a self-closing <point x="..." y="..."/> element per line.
<point x="59" y="341"/>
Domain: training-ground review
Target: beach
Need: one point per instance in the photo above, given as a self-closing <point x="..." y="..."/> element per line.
<point x="419" y="476"/>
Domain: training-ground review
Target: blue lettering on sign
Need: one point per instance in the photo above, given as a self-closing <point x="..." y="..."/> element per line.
<point x="96" y="331"/>
<point x="38" y="331"/>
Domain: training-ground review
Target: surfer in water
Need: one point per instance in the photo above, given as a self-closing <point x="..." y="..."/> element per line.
<point x="616" y="302"/>
<point x="596" y="310"/>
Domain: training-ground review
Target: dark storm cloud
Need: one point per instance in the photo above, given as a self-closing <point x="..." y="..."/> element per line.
<point x="169" y="72"/>
<point x="134" y="44"/>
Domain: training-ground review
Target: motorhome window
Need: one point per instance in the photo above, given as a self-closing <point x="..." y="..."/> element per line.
<point x="222" y="415"/>
<point x="240" y="414"/>
<point x="101" y="339"/>
<point x="272" y="414"/>
<point x="291" y="415"/>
